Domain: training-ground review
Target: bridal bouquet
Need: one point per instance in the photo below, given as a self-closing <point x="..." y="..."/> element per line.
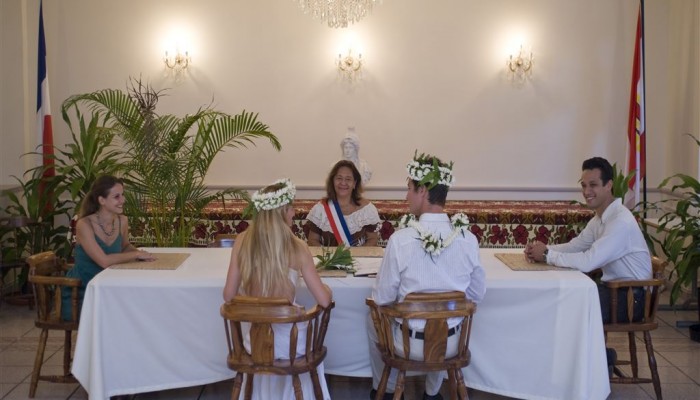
<point x="340" y="259"/>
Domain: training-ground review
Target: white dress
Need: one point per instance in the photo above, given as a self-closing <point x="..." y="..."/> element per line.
<point x="280" y="387"/>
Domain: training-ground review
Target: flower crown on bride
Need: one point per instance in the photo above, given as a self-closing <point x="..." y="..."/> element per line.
<point x="278" y="198"/>
<point x="430" y="173"/>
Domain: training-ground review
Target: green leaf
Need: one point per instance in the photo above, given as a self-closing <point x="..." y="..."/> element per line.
<point x="340" y="259"/>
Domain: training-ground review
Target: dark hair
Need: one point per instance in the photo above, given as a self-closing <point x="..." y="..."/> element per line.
<point x="356" y="195"/>
<point x="99" y="188"/>
<point x="606" y="170"/>
<point x="438" y="194"/>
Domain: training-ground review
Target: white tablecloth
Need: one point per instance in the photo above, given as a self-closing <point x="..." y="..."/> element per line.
<point x="536" y="335"/>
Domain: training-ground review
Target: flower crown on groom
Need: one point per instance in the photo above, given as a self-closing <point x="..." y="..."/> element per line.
<point x="430" y="174"/>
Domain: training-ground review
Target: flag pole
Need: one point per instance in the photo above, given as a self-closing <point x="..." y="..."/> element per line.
<point x="644" y="94"/>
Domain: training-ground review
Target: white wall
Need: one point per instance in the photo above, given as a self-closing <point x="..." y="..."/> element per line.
<point x="434" y="80"/>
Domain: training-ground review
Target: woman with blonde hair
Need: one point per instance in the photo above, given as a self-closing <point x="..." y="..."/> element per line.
<point x="267" y="261"/>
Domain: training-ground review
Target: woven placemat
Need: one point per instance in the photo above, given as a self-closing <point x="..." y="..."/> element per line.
<point x="518" y="262"/>
<point x="369" y="251"/>
<point x="162" y="261"/>
<point x="332" y="273"/>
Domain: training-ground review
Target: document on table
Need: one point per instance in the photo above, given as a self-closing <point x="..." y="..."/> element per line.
<point x="367" y="266"/>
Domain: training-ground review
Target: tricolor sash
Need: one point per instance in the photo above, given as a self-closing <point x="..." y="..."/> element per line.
<point x="337" y="222"/>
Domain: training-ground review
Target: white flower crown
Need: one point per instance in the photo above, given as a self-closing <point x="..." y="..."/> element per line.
<point x="429" y="174"/>
<point x="278" y="198"/>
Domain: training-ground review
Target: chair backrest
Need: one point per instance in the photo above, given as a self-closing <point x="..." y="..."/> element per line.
<point x="46" y="274"/>
<point x="435" y="309"/>
<point x="262" y="313"/>
<point x="651" y="289"/>
<point x="658" y="267"/>
<point x="224" y="240"/>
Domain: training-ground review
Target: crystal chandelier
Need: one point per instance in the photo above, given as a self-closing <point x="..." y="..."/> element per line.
<point x="338" y="13"/>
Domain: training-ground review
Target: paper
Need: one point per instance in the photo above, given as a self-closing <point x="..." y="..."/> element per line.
<point x="367" y="266"/>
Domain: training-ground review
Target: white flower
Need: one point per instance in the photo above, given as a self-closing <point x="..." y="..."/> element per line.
<point x="405" y="220"/>
<point x="435" y="245"/>
<point x="278" y="198"/>
<point x="417" y="171"/>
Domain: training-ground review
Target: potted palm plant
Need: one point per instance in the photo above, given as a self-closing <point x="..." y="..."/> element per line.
<point x="167" y="157"/>
<point x="680" y="219"/>
<point x="91" y="154"/>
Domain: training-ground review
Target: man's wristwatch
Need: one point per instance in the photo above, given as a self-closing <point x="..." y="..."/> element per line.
<point x="544" y="255"/>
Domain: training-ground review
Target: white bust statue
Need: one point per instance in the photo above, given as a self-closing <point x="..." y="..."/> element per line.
<point x="350" y="145"/>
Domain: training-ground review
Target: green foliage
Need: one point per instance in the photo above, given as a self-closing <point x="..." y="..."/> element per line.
<point x="90" y="155"/>
<point x="621" y="182"/>
<point x="340" y="259"/>
<point x="681" y="221"/>
<point x="166" y="157"/>
<point x="39" y="202"/>
<point x="50" y="202"/>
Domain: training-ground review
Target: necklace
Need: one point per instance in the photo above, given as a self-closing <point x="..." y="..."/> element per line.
<point x="102" y="227"/>
<point x="431" y="244"/>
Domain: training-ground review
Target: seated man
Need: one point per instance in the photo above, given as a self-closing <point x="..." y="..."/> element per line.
<point x="413" y="264"/>
<point x="611" y="241"/>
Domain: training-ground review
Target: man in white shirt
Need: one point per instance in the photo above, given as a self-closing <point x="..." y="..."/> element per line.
<point x="414" y="265"/>
<point x="611" y="241"/>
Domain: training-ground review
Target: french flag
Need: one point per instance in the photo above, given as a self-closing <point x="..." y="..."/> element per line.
<point x="636" y="127"/>
<point x="43" y="107"/>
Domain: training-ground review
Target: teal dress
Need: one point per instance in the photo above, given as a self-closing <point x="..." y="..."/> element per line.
<point x="85" y="269"/>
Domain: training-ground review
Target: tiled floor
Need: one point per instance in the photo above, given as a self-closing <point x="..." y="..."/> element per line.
<point x="677" y="356"/>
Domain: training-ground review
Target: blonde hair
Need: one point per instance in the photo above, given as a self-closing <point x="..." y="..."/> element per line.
<point x="267" y="249"/>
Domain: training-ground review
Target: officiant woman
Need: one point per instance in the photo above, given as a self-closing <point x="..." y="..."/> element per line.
<point x="343" y="216"/>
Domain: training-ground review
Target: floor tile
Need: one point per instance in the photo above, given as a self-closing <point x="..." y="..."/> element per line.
<point x="670" y="374"/>
<point x="6" y="388"/>
<point x="190" y="393"/>
<point x="627" y="392"/>
<point x="14" y="374"/>
<point x="44" y="391"/>
<point x="675" y="391"/>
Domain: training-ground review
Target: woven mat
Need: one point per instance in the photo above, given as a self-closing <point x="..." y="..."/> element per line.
<point x="332" y="273"/>
<point x="369" y="251"/>
<point x="518" y="262"/>
<point x="163" y="261"/>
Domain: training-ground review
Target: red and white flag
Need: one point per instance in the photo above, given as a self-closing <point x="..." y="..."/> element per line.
<point x="636" y="128"/>
<point x="43" y="108"/>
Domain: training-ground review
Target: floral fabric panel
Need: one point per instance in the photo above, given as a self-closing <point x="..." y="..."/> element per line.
<point x="496" y="224"/>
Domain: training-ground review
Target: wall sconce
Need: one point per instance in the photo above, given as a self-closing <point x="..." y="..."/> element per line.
<point x="520" y="65"/>
<point x="349" y="66"/>
<point x="178" y="63"/>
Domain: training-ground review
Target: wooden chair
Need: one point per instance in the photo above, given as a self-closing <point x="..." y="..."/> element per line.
<point x="14" y="261"/>
<point x="46" y="274"/>
<point x="648" y="323"/>
<point x="262" y="313"/>
<point x="435" y="308"/>
<point x="224" y="240"/>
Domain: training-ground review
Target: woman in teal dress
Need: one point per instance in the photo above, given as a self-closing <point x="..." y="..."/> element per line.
<point x="102" y="237"/>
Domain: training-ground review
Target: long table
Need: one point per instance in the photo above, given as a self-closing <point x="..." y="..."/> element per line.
<point x="536" y="335"/>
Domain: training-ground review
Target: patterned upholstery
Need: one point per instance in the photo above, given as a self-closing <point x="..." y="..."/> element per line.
<point x="495" y="223"/>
